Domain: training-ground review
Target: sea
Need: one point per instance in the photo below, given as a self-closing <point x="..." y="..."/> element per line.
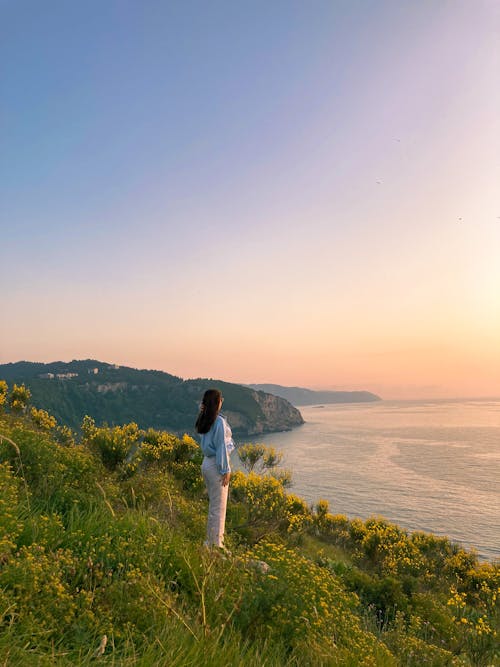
<point x="430" y="465"/>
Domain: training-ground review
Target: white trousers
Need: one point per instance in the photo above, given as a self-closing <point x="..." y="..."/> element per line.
<point x="217" y="502"/>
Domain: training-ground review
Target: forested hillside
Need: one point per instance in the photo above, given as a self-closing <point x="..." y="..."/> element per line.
<point x="118" y="394"/>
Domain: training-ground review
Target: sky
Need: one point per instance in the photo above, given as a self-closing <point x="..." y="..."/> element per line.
<point x="302" y="193"/>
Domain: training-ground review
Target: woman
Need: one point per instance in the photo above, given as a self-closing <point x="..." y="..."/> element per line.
<point x="216" y="445"/>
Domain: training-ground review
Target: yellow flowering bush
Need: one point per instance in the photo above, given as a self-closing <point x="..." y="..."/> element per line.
<point x="459" y="563"/>
<point x="86" y="552"/>
<point x="263" y="497"/>
<point x="483" y="586"/>
<point x="414" y="652"/>
<point x="158" y="446"/>
<point x="3" y="393"/>
<point x="302" y="603"/>
<point x="180" y="456"/>
<point x="56" y="475"/>
<point x="42" y="419"/>
<point x="19" y="398"/>
<point x="65" y="436"/>
<point x="43" y="528"/>
<point x="10" y="525"/>
<point x="333" y="527"/>
<point x="38" y="580"/>
<point x="476" y="626"/>
<point x="250" y="455"/>
<point x="388" y="546"/>
<point x="267" y="505"/>
<point x="112" y="444"/>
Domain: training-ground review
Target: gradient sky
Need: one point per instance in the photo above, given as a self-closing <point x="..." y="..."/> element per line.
<point x="305" y="193"/>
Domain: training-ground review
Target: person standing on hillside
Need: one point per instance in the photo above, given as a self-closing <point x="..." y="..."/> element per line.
<point x="216" y="445"/>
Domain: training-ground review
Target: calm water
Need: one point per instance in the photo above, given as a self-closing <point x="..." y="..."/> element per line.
<point x="426" y="465"/>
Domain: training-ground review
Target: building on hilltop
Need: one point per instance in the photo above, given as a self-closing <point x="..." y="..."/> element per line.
<point x="93" y="371"/>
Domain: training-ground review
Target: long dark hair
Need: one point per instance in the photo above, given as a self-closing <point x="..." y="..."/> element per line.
<point x="209" y="410"/>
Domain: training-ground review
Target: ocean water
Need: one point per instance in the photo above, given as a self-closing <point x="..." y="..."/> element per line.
<point x="426" y="465"/>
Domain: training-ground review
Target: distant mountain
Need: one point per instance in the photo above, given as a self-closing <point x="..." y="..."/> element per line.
<point x="119" y="394"/>
<point x="301" y="396"/>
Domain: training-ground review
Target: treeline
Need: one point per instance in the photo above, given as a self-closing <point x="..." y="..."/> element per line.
<point x="101" y="558"/>
<point x="116" y="395"/>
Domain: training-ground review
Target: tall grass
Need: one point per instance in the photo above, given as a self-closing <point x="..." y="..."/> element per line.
<point x="105" y="564"/>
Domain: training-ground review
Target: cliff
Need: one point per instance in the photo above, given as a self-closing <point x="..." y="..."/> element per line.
<point x="276" y="414"/>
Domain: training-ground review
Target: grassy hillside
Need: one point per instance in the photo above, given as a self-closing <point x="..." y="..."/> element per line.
<point x="116" y="395"/>
<point x="101" y="552"/>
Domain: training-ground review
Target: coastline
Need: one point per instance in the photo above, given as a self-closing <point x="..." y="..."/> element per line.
<point x="418" y="477"/>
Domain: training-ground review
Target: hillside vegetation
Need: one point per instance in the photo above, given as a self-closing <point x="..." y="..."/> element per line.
<point x="101" y="558"/>
<point x="118" y="394"/>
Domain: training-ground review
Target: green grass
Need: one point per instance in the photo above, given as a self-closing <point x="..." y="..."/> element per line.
<point x="88" y="550"/>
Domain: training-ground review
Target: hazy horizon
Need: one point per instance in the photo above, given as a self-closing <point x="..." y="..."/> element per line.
<point x="307" y="195"/>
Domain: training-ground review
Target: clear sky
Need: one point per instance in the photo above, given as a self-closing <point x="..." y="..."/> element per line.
<point x="305" y="193"/>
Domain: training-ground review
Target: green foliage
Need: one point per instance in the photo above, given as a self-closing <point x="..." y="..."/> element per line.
<point x="87" y="550"/>
<point x="307" y="608"/>
<point x="113" y="445"/>
<point x="43" y="595"/>
<point x="19" y="398"/>
<point x="148" y="398"/>
<point x="415" y="652"/>
<point x="42" y="419"/>
<point x="65" y="436"/>
<point x="267" y="507"/>
<point x="259" y="458"/>
<point x="3" y="393"/>
<point x="271" y="458"/>
<point x="250" y="455"/>
<point x="55" y="475"/>
<point x="432" y="600"/>
<point x="10" y="525"/>
<point x="322" y="509"/>
<point x="263" y="461"/>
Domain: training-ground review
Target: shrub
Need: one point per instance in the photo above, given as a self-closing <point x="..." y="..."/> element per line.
<point x="57" y="476"/>
<point x="259" y="457"/>
<point x="302" y="604"/>
<point x="114" y="444"/>
<point x="86" y="552"/>
<point x="10" y="525"/>
<point x="414" y="652"/>
<point x="250" y="455"/>
<point x="3" y="393"/>
<point x="42" y="419"/>
<point x="65" y="436"/>
<point x="43" y="598"/>
<point x="19" y="398"/>
<point x="180" y="456"/>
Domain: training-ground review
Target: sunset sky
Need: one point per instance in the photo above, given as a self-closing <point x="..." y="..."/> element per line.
<point x="303" y="193"/>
